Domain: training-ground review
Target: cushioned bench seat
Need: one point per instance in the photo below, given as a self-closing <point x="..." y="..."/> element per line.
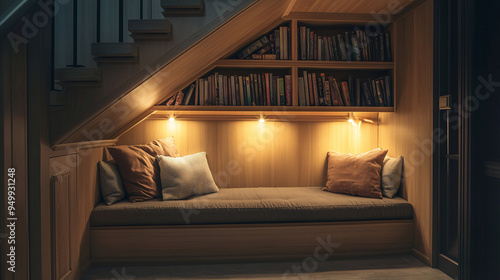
<point x="252" y="205"/>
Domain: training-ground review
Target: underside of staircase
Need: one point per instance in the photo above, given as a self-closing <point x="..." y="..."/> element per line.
<point x="101" y="103"/>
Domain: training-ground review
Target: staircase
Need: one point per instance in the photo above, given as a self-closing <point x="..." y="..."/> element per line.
<point x="93" y="77"/>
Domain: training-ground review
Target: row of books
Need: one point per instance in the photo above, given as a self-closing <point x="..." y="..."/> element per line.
<point x="350" y="46"/>
<point x="260" y="89"/>
<point x="320" y="90"/>
<point x="276" y="45"/>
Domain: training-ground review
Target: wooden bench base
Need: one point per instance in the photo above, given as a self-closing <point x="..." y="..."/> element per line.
<point x="248" y="242"/>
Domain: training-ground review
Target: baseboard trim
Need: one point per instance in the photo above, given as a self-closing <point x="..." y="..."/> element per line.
<point x="419" y="255"/>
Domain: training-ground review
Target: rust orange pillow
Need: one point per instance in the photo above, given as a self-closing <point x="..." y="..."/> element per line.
<point x="357" y="174"/>
<point x="138" y="167"/>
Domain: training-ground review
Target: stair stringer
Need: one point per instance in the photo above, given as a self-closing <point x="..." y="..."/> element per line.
<point x="151" y="86"/>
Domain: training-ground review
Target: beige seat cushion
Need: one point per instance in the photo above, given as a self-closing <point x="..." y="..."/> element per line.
<point x="253" y="205"/>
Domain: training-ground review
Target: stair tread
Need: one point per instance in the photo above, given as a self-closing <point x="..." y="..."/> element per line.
<point x="82" y="74"/>
<point x="110" y="50"/>
<point x="150" y="26"/>
<point x="183" y="8"/>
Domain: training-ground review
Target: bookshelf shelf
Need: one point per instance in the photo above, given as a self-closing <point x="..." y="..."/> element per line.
<point x="370" y="75"/>
<point x="333" y="65"/>
<point x="285" y="113"/>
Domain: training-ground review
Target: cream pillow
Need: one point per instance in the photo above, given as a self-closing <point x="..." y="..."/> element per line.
<point x="186" y="176"/>
<point x="392" y="169"/>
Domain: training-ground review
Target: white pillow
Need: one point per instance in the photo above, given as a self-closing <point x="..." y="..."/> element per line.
<point x="392" y="169"/>
<point x="186" y="176"/>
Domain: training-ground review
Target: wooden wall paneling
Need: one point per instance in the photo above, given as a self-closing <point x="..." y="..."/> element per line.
<point x="87" y="16"/>
<point x="254" y="154"/>
<point x="88" y="195"/>
<point x="109" y="21"/>
<point x="408" y="132"/>
<point x="63" y="178"/>
<point x="63" y="32"/>
<point x="256" y="242"/>
<point x="61" y="221"/>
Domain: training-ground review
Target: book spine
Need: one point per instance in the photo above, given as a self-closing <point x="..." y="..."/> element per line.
<point x="289" y="42"/>
<point x="281" y="86"/>
<point x="388" y="92"/>
<point x="308" y="44"/>
<point x="306" y="89"/>
<point x="311" y="46"/>
<point x="352" y="90"/>
<point x="321" y="93"/>
<point x="348" y="46"/>
<point x="345" y="92"/>
<point x="241" y="100"/>
<point x="320" y="48"/>
<point x="367" y="93"/>
<point x="249" y="92"/>
<point x="358" y="92"/>
<point x="355" y="48"/>
<point x="382" y="49"/>
<point x="338" y="94"/>
<point x="282" y="43"/>
<point x="335" y="101"/>
<point x="171" y="101"/>
<point x="341" y="45"/>
<point x="380" y="95"/>
<point x="288" y="90"/>
<point x="180" y="98"/>
<point x="303" y="43"/>
<point x="263" y="41"/>
<point x="374" y="92"/>
<point x="388" y="46"/>
<point x="315" y="89"/>
<point x="315" y="41"/>
<point x="326" y="90"/>
<point x="197" y="92"/>
<point x="302" y="99"/>
<point x="276" y="91"/>
<point x="268" y="90"/>
<point x="277" y="37"/>
<point x="259" y="90"/>
<point x="271" y="90"/>
<point x="312" y="96"/>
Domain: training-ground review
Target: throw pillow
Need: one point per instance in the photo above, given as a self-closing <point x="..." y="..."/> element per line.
<point x="110" y="182"/>
<point x="392" y="169"/>
<point x="186" y="176"/>
<point x="138" y="167"/>
<point x="355" y="174"/>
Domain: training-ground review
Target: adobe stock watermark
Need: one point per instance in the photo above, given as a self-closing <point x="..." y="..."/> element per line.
<point x="121" y="275"/>
<point x="223" y="6"/>
<point x="31" y="26"/>
<point x="321" y="253"/>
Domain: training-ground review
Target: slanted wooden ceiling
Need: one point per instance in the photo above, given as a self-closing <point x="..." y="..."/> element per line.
<point x="347" y="6"/>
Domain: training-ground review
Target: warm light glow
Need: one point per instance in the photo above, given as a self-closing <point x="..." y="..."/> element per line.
<point x="351" y="121"/>
<point x="261" y="120"/>
<point x="172" y="119"/>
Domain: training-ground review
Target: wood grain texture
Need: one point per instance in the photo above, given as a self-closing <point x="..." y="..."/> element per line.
<point x="63" y="178"/>
<point x="253" y="154"/>
<point x="409" y="131"/>
<point x="252" y="242"/>
<point x="346" y="6"/>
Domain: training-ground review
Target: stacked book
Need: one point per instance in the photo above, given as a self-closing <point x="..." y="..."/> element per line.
<point x="276" y="45"/>
<point x="356" y="45"/>
<point x="260" y="89"/>
<point x="320" y="90"/>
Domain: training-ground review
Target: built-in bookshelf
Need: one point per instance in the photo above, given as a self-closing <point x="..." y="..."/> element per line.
<point x="314" y="78"/>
